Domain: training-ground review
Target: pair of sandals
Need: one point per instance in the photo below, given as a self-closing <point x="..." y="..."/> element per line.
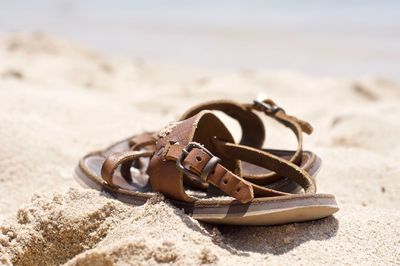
<point x="197" y="165"/>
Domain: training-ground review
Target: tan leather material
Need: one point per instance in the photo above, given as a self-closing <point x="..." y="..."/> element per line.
<point x="174" y="161"/>
<point x="297" y="126"/>
<point x="222" y="178"/>
<point x="196" y="160"/>
<point x="281" y="117"/>
<point x="231" y="184"/>
<point x="252" y="127"/>
<point x="126" y="170"/>
<point x="172" y="152"/>
<point x="162" y="168"/>
<point x="166" y="178"/>
<point x="253" y="132"/>
<point x="145" y="140"/>
<point x="116" y="159"/>
<point x="201" y="150"/>
<point x="200" y="128"/>
<point x="268" y="161"/>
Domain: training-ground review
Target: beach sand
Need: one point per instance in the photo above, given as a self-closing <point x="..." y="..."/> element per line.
<point x="58" y="101"/>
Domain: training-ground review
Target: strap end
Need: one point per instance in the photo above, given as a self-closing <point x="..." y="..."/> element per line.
<point x="243" y="192"/>
<point x="306" y="127"/>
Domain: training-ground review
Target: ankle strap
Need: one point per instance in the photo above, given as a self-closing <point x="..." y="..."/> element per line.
<point x="296" y="125"/>
<point x="253" y="130"/>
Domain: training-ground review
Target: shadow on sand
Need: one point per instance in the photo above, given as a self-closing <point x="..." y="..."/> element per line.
<point x="241" y="240"/>
<point x="277" y="239"/>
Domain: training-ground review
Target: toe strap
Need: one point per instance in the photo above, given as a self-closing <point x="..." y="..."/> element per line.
<point x="117" y="159"/>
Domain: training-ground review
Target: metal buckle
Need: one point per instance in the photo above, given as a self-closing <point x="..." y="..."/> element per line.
<point x="266" y="105"/>
<point x="207" y="168"/>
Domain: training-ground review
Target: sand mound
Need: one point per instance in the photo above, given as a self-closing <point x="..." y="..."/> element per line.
<point x="58" y="229"/>
<point x="59" y="101"/>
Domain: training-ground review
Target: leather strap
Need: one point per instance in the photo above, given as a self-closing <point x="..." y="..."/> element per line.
<point x="253" y="131"/>
<point x="145" y="140"/>
<point x="219" y="176"/>
<point x="297" y="126"/>
<point x="173" y="159"/>
<point x="164" y="175"/>
<point x="267" y="161"/>
<point x="116" y="159"/>
<point x="231" y="184"/>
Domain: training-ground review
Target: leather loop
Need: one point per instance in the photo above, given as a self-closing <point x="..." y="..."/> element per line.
<point x="268" y="161"/>
<point x="116" y="159"/>
<point x="253" y="131"/>
<point x="296" y="125"/>
<point x="231" y="184"/>
<point x="144" y="140"/>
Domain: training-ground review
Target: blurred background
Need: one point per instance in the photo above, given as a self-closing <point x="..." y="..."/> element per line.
<point x="342" y="38"/>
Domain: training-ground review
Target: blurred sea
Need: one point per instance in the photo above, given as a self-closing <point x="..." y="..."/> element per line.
<point x="345" y="38"/>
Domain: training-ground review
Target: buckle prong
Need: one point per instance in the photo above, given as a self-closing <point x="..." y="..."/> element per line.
<point x="207" y="168"/>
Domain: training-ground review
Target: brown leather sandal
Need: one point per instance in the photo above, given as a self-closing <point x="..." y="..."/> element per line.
<point x="214" y="188"/>
<point x="253" y="134"/>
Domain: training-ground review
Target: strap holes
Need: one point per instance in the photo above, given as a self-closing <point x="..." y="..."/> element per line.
<point x="238" y="189"/>
<point x="198" y="158"/>
<point x="225" y="181"/>
<point x="213" y="172"/>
